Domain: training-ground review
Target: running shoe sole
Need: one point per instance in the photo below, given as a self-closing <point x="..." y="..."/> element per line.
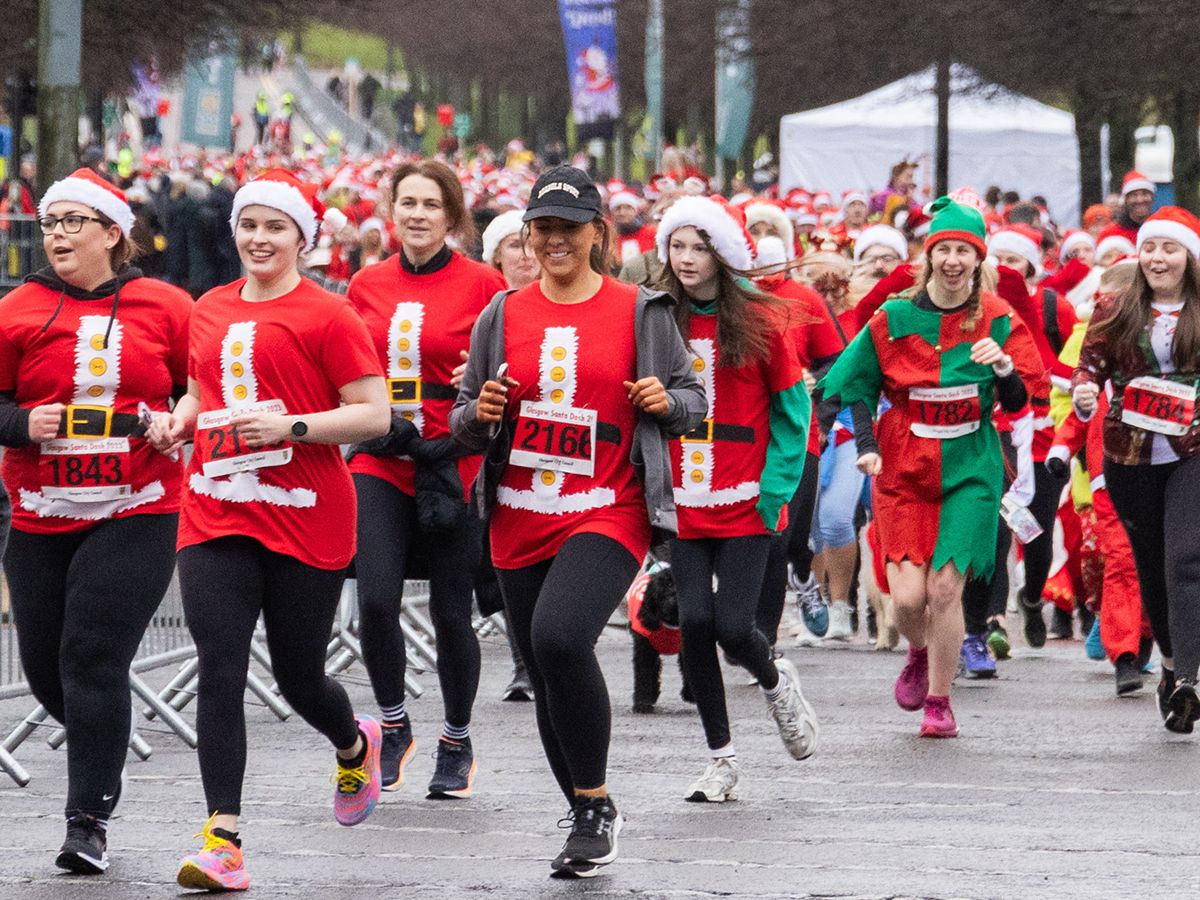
<point x="192" y="876"/>
<point x="936" y="733"/>
<point x="404" y="760"/>
<point x="703" y="797"/>
<point x="1184" y="710"/>
<point x="460" y="794"/>
<point x="999" y="645"/>
<point x="81" y="863"/>
<point x="563" y="868"/>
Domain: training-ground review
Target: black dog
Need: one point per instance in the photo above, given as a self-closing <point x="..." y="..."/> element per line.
<point x="654" y="627"/>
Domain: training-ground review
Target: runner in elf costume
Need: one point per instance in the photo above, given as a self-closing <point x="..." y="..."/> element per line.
<point x="941" y="355"/>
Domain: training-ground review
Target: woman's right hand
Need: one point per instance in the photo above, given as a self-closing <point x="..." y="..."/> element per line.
<point x="1085" y="396"/>
<point x="870" y="464"/>
<point x="166" y="433"/>
<point x="493" y="397"/>
<point x="44" y="422"/>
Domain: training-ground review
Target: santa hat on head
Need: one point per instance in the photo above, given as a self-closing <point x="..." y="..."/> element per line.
<point x="1135" y="181"/>
<point x="797" y="197"/>
<point x="1172" y="223"/>
<point x="505" y="224"/>
<point x="822" y="200"/>
<point x="696" y="184"/>
<point x="854" y="197"/>
<point x="773" y="213"/>
<point x="803" y="215"/>
<point x="86" y="187"/>
<point x="280" y="189"/>
<point x="624" y="198"/>
<point x="880" y="235"/>
<point x="1114" y="242"/>
<point x="1021" y="240"/>
<point x="727" y="236"/>
<point x="1072" y="240"/>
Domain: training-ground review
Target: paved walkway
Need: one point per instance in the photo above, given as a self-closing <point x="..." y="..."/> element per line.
<point x="1055" y="789"/>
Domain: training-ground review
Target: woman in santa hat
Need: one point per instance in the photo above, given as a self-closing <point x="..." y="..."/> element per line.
<point x="733" y="477"/>
<point x="1145" y="343"/>
<point x="87" y="344"/>
<point x="280" y="372"/>
<point x="941" y="357"/>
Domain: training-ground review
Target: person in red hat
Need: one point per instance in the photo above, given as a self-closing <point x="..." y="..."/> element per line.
<point x="1137" y="198"/>
<point x="635" y="235"/>
<point x="1143" y="349"/>
<point x="280" y="372"/>
<point x="86" y="345"/>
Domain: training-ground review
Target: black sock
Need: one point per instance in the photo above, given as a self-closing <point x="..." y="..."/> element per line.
<point x="358" y="759"/>
<point x="231" y="836"/>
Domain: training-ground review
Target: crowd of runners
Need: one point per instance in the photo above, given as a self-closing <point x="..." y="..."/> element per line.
<point x="750" y="398"/>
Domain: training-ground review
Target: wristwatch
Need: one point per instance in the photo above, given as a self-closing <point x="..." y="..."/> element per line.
<point x="299" y="428"/>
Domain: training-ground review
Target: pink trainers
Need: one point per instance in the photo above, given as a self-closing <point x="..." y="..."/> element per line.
<point x="939" y="718"/>
<point x="358" y="788"/>
<point x="913" y="684"/>
<point x="217" y="867"/>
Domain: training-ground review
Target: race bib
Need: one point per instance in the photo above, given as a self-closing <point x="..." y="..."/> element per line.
<point x="944" y="412"/>
<point x="555" y="437"/>
<point x="222" y="450"/>
<point x="85" y="471"/>
<point x="1159" y="405"/>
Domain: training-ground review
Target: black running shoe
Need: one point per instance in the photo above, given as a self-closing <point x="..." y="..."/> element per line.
<point x="396" y="750"/>
<point x="1162" y="697"/>
<point x="1184" y="708"/>
<point x="520" y="689"/>
<point x="592" y="843"/>
<point x="1128" y="674"/>
<point x="85" y="851"/>
<point x="1063" y="625"/>
<point x="1035" y="625"/>
<point x="454" y="770"/>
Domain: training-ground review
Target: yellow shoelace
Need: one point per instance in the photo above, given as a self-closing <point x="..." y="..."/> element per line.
<point x="350" y="780"/>
<point x="211" y="841"/>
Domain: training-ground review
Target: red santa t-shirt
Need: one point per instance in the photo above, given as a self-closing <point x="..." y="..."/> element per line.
<point x="716" y="469"/>
<point x="419" y="324"/>
<point x="635" y="244"/>
<point x="293" y="353"/>
<point x="570" y="357"/>
<point x="59" y="355"/>
<point x="813" y="334"/>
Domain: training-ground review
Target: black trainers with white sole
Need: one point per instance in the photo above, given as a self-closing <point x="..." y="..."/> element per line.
<point x="85" y="851"/>
<point x="595" y="825"/>
<point x="1184" y="707"/>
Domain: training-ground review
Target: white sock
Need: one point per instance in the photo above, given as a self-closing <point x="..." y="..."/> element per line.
<point x="725" y="752"/>
<point x="776" y="692"/>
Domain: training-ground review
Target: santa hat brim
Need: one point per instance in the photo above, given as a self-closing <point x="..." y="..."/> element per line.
<point x="727" y="237"/>
<point x="280" y="196"/>
<point x="1137" y="184"/>
<point x="880" y="235"/>
<point x="1167" y="230"/>
<point x="1011" y="242"/>
<point x="1079" y="239"/>
<point x="776" y="218"/>
<point x="78" y="190"/>
<point x="497" y="230"/>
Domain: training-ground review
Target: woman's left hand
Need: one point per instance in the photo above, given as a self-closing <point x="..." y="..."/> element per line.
<point x="260" y="429"/>
<point x="986" y="352"/>
<point x="648" y="395"/>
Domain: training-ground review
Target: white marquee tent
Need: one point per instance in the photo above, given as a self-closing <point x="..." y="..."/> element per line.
<point x="996" y="137"/>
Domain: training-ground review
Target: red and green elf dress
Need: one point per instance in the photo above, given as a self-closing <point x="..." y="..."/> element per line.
<point x="937" y="499"/>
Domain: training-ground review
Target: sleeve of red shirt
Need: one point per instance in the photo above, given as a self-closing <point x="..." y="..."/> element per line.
<point x="901" y="279"/>
<point x="820" y="337"/>
<point x="10" y="361"/>
<point x="177" y="358"/>
<point x="1071" y="433"/>
<point x="347" y="352"/>
<point x="1021" y="347"/>
<point x="784" y="367"/>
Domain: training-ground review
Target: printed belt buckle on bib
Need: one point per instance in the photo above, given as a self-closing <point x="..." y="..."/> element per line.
<point x="85" y="469"/>
<point x="404" y="390"/>
<point x="942" y="413"/>
<point x="1159" y="405"/>
<point x="562" y="438"/>
<point x="701" y="434"/>
<point x="222" y="450"/>
<point x="88" y="422"/>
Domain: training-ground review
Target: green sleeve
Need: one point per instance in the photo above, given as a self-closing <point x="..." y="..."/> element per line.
<point x="855" y="377"/>
<point x="791" y="412"/>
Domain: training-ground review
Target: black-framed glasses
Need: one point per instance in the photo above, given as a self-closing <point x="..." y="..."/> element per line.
<point x="72" y="223"/>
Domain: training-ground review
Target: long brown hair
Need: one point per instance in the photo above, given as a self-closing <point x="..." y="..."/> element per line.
<point x="745" y="315"/>
<point x="461" y="223"/>
<point x="974" y="300"/>
<point x="1124" y="327"/>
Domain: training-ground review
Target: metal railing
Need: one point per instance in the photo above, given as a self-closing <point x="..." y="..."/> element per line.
<point x="324" y="113"/>
<point x="20" y="248"/>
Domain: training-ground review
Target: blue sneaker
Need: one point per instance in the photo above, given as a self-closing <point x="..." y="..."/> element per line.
<point x="813" y="610"/>
<point x="975" y="658"/>
<point x="1092" y="646"/>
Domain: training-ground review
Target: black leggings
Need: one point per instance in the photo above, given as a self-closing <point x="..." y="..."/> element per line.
<point x="725" y="617"/>
<point x="1039" y="553"/>
<point x="82" y="602"/>
<point x="388" y="536"/>
<point x="791" y="546"/>
<point x="986" y="598"/>
<point x="1160" y="509"/>
<point x="226" y="583"/>
<point x="558" y="608"/>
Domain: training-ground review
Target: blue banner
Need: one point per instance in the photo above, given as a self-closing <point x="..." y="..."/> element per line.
<point x="208" y="100"/>
<point x="590" y="37"/>
<point x="735" y="77"/>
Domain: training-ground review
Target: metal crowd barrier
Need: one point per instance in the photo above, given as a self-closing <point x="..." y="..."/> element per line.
<point x="20" y="248"/>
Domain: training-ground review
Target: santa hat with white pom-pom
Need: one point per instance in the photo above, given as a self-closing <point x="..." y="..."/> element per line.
<point x="280" y="189"/>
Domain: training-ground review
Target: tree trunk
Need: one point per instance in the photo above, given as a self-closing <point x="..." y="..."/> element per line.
<point x="1124" y="115"/>
<point x="1088" y="119"/>
<point x="1185" y="110"/>
<point x="942" y="168"/>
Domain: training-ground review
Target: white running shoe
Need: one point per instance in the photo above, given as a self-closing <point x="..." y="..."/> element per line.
<point x="794" y="715"/>
<point x="839" y="621"/>
<point x="718" y="783"/>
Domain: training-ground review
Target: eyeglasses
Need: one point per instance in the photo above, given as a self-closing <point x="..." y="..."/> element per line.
<point x="72" y="224"/>
<point x="883" y="258"/>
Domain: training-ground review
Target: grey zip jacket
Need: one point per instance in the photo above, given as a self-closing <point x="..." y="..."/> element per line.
<point x="661" y="352"/>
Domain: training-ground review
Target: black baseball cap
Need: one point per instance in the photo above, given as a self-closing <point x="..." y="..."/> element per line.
<point x="563" y="192"/>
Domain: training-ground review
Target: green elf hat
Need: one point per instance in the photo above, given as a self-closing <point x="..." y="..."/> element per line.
<point x="953" y="221"/>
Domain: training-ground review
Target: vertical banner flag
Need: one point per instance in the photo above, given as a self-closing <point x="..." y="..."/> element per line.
<point x="735" y="77"/>
<point x="208" y="100"/>
<point x="654" y="79"/>
<point x="590" y="37"/>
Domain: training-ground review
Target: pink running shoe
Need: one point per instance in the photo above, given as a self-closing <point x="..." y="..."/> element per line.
<point x="913" y="684"/>
<point x="939" y="718"/>
<point x="358" y="788"/>
<point x="217" y="867"/>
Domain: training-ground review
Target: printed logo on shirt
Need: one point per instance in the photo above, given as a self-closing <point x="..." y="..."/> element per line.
<point x="404" y="362"/>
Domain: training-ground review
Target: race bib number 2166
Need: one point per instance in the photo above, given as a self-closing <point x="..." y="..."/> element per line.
<point x="552" y="437"/>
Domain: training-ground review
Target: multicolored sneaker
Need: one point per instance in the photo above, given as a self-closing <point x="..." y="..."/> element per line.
<point x="454" y="770"/>
<point x="218" y="866"/>
<point x="396" y="750"/>
<point x="357" y="789"/>
<point x="939" y="718"/>
<point x="912" y="687"/>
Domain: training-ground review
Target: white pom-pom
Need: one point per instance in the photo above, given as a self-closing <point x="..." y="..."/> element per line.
<point x="334" y="220"/>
